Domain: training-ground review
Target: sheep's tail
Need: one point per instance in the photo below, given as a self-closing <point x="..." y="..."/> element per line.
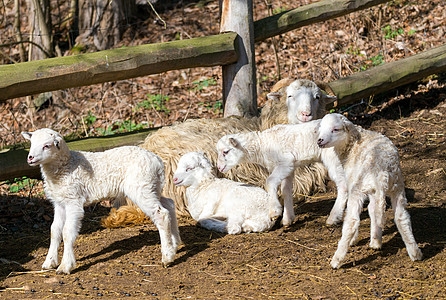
<point x="125" y="216"/>
<point x="214" y="224"/>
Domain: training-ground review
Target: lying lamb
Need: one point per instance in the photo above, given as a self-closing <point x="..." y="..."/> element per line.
<point x="221" y="204"/>
<point x="281" y="150"/>
<point x="74" y="179"/>
<point x="171" y="142"/>
<point x="372" y="169"/>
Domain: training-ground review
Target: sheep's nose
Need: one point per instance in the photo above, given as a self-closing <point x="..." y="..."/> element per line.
<point x="175" y="179"/>
<point x="30" y="157"/>
<point x="320" y="141"/>
<point x="306" y="114"/>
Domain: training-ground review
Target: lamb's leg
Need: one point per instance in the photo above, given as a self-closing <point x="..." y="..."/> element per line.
<point x="376" y="211"/>
<point x="170" y="206"/>
<point x="73" y="215"/>
<point x="402" y="220"/>
<point x="272" y="184"/>
<point x="287" y="193"/>
<point x="349" y="228"/>
<point x="337" y="174"/>
<point x="51" y="260"/>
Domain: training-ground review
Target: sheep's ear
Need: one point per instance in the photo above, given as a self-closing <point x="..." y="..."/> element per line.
<point x="316" y="130"/>
<point x="328" y="98"/>
<point x="57" y="141"/>
<point x="350" y="127"/>
<point x="274" y="96"/>
<point x="27" y="135"/>
<point x="233" y="142"/>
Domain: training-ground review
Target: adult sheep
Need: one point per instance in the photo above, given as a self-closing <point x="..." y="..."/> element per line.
<point x="75" y="179"/>
<point x="290" y="101"/>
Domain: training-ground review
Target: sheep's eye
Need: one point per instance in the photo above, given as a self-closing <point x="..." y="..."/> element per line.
<point x="335" y="129"/>
<point x="46" y="147"/>
<point x="225" y="152"/>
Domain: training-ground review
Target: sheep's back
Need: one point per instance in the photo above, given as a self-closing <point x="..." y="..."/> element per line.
<point x="373" y="161"/>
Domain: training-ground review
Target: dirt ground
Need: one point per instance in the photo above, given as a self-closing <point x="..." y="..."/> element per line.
<point x="280" y="264"/>
<point x="285" y="264"/>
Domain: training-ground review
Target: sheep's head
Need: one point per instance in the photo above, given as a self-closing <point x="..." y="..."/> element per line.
<point x="45" y="146"/>
<point x="192" y="168"/>
<point x="304" y="100"/>
<point x="230" y="152"/>
<point x="335" y="130"/>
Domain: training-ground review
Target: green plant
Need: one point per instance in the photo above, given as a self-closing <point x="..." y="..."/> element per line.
<point x="411" y="32"/>
<point x="279" y="10"/>
<point x="89" y="120"/>
<point x="390" y="33"/>
<point x="377" y="60"/>
<point x="21" y="184"/>
<point x="157" y="102"/>
<point x="203" y="84"/>
<point x="121" y="126"/>
<point x="216" y="107"/>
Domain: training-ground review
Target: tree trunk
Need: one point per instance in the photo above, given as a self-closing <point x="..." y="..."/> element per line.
<point x="102" y="22"/>
<point x="239" y="79"/>
<point x="41" y="29"/>
<point x="18" y="32"/>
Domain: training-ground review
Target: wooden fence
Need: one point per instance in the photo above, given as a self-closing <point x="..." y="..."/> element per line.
<point x="224" y="49"/>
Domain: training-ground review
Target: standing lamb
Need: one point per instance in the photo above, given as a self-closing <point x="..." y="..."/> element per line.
<point x="373" y="171"/>
<point x="221" y="204"/>
<point x="171" y="142"/>
<point x="281" y="150"/>
<point x="74" y="179"/>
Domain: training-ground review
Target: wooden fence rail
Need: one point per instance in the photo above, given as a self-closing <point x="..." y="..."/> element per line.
<point x="45" y="75"/>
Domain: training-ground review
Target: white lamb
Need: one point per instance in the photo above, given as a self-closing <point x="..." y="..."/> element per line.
<point x="221" y="204"/>
<point x="372" y="169"/>
<point x="74" y="179"/>
<point x="281" y="150"/>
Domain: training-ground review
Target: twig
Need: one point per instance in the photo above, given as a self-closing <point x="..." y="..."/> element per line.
<point x="301" y="245"/>
<point x="157" y="15"/>
<point x="29" y="272"/>
<point x="352" y="291"/>
<point x="31" y="42"/>
<point x="244" y="263"/>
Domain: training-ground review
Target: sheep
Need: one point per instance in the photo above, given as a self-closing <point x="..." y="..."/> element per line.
<point x="74" y="179"/>
<point x="281" y="149"/>
<point x="373" y="171"/>
<point x="171" y="142"/>
<point x="221" y="204"/>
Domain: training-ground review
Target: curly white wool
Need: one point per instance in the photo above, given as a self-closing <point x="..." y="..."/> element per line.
<point x="281" y="150"/>
<point x="221" y="204"/>
<point x="372" y="168"/>
<point x="74" y="179"/>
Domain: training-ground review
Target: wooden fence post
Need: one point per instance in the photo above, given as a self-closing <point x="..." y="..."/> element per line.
<point x="239" y="79"/>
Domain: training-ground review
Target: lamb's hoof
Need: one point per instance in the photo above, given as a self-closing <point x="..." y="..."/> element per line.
<point x="62" y="270"/>
<point x="415" y="254"/>
<point x="333" y="220"/>
<point x="375" y="244"/>
<point x="335" y="264"/>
